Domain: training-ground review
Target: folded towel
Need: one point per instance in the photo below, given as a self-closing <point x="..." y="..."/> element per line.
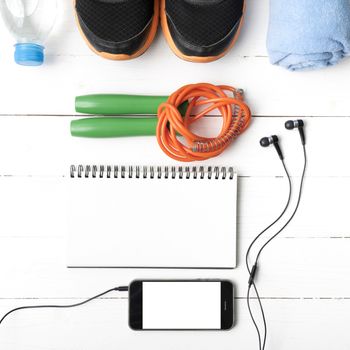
<point x="308" y="34"/>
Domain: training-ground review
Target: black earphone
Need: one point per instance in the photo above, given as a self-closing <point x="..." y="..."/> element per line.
<point x="272" y="140"/>
<point x="252" y="269"/>
<point x="289" y="125"/>
<point x="292" y="124"/>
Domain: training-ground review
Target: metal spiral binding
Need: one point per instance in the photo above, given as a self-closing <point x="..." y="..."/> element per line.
<point x="152" y="172"/>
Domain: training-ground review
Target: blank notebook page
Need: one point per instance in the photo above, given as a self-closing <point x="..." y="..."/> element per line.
<point x="152" y="217"/>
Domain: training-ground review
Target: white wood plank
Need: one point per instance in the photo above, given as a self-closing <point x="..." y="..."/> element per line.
<point x="269" y="90"/>
<point x="43" y="146"/>
<point x="36" y="267"/>
<point x="293" y="324"/>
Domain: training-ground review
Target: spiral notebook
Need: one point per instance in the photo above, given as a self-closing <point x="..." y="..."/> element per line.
<point x="152" y="217"/>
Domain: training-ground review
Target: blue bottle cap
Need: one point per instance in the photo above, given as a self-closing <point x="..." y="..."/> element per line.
<point x="29" y="54"/>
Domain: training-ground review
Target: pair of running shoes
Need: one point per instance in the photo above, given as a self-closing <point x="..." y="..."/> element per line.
<point x="196" y="30"/>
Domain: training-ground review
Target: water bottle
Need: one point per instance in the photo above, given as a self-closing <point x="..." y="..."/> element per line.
<point x="30" y="22"/>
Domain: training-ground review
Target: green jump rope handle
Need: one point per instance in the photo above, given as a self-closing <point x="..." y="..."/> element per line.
<point x="120" y="104"/>
<point x="113" y="127"/>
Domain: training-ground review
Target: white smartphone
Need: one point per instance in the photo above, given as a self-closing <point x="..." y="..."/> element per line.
<point x="181" y="305"/>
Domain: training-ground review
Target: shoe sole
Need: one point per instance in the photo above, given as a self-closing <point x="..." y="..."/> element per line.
<point x="124" y="57"/>
<point x="195" y="59"/>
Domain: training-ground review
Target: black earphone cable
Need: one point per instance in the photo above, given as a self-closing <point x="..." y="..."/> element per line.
<point x="251" y="279"/>
<point x="118" y="289"/>
<point x="261" y="345"/>
<point x="253" y="318"/>
<point x="252" y="271"/>
<point x="295" y="210"/>
<point x="276" y="220"/>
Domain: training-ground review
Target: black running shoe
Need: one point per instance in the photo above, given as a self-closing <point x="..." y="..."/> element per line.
<point x="201" y="30"/>
<point x="118" y="29"/>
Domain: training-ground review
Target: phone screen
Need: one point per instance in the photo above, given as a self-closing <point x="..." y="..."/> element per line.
<point x="180" y="305"/>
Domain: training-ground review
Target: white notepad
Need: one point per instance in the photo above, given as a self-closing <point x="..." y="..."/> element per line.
<point x="152" y="217"/>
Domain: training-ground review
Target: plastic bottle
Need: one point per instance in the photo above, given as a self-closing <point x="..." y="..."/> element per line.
<point x="30" y="22"/>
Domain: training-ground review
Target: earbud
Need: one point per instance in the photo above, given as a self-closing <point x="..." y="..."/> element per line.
<point x="272" y="140"/>
<point x="292" y="124"/>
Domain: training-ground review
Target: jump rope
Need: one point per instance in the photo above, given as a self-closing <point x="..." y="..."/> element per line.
<point x="171" y="122"/>
<point x="253" y="268"/>
<point x="176" y="115"/>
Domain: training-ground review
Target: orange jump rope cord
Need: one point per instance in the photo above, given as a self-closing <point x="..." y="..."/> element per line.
<point x="235" y="113"/>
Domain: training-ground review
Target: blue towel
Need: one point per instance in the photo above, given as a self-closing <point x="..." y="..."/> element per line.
<point x="308" y="34"/>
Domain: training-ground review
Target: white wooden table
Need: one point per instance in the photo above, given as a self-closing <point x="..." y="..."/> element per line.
<point x="305" y="274"/>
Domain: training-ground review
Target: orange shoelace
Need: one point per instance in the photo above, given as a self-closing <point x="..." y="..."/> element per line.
<point x="235" y="113"/>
